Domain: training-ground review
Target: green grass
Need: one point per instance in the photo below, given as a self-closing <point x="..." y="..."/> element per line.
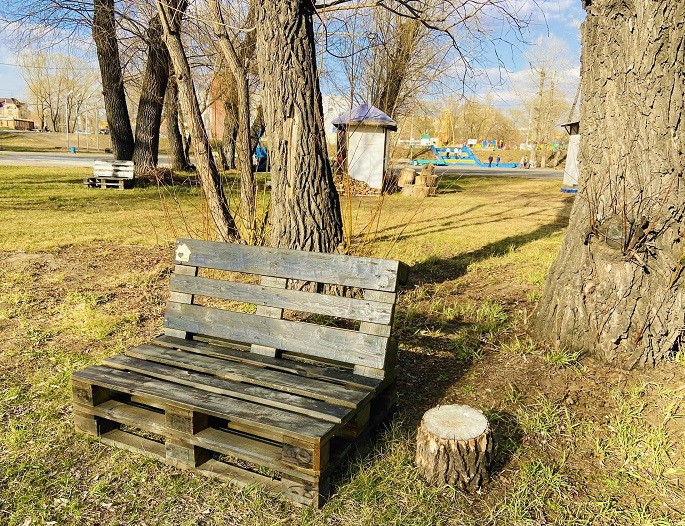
<point x="85" y="274"/>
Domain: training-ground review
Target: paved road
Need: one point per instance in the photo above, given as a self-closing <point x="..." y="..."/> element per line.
<point x="537" y="173"/>
<point x="57" y="158"/>
<point x="86" y="160"/>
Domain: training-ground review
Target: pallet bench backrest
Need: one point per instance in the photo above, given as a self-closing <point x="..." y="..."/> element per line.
<point x="365" y="343"/>
<point x="120" y="169"/>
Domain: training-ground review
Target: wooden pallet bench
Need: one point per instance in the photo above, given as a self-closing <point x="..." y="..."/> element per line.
<point x="256" y="378"/>
<point x="111" y="174"/>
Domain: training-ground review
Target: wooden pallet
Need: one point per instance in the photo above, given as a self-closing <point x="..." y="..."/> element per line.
<point x="207" y="408"/>
<point x="252" y="396"/>
<point x="111" y="174"/>
<point x="108" y="182"/>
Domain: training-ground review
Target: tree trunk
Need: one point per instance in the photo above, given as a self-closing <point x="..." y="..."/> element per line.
<point x="155" y="80"/>
<point x="209" y="175"/>
<point x="106" y="44"/>
<point x="179" y="161"/>
<point x="229" y="136"/>
<point x="615" y="289"/>
<point x="238" y="70"/>
<point x="305" y="208"/>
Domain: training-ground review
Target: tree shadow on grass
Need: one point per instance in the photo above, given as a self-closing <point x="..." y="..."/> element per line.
<point x="437" y="352"/>
<point x="438" y="270"/>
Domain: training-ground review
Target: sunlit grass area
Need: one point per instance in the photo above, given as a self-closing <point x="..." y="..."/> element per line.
<point x="85" y="276"/>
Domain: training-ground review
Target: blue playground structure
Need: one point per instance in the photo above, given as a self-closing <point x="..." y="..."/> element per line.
<point x="461" y="156"/>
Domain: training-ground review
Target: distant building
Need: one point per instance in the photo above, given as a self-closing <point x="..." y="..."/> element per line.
<point x="14" y="114"/>
<point x="333" y="106"/>
<point x="363" y="140"/>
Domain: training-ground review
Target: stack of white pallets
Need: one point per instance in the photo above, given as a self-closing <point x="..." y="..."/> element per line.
<point x="111" y="174"/>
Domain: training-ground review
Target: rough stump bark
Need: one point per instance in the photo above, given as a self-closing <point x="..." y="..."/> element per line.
<point x="453" y="446"/>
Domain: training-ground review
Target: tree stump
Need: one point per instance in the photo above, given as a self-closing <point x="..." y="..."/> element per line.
<point x="453" y="446"/>
<point x="406" y="177"/>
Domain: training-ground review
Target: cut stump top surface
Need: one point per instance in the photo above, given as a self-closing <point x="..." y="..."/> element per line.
<point x="455" y="422"/>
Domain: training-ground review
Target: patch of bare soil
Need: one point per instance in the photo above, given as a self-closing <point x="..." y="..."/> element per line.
<point x="448" y="353"/>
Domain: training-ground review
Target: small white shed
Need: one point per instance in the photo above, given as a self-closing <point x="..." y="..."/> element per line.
<point x="363" y="139"/>
<point x="571" y="170"/>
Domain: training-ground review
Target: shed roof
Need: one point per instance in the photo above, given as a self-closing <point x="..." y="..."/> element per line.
<point x="367" y="115"/>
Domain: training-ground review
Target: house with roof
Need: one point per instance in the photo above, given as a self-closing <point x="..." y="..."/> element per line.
<point x="14" y="114"/>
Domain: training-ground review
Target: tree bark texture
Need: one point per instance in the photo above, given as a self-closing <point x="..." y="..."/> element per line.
<point x="210" y="178"/>
<point x="229" y="136"/>
<point x="616" y="288"/>
<point x="453" y="446"/>
<point x="305" y="207"/>
<point x="179" y="161"/>
<point x="149" y="119"/>
<point x="107" y="46"/>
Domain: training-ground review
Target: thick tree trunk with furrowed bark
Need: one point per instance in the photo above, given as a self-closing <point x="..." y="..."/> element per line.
<point x="149" y="117"/>
<point x="107" y="46"/>
<point x="305" y="208"/>
<point x="617" y="288"/>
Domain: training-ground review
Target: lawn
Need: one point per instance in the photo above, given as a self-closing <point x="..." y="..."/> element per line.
<point x="85" y="275"/>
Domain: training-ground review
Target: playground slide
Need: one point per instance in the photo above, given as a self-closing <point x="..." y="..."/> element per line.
<point x="471" y="155"/>
<point x="461" y="156"/>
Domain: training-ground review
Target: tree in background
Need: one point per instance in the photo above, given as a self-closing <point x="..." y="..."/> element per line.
<point x="238" y="64"/>
<point x="616" y="288"/>
<point x="150" y="105"/>
<point x="546" y="104"/>
<point x="468" y="119"/>
<point x="111" y="74"/>
<point x="171" y="16"/>
<point x="59" y="85"/>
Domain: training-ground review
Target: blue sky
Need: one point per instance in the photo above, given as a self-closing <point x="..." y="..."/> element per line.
<point x="559" y="19"/>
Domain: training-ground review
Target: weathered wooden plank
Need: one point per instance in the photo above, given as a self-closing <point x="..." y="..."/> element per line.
<point x="135" y="443"/>
<point x="289" y="366"/>
<point x="253" y="393"/>
<point x="349" y="308"/>
<point x="211" y="468"/>
<point x="181" y="297"/>
<point x="126" y="414"/>
<point x="334" y="394"/>
<point x="269" y="312"/>
<point x="305" y="338"/>
<point x="270" y="419"/>
<point x="238" y="476"/>
<point x="353" y="271"/>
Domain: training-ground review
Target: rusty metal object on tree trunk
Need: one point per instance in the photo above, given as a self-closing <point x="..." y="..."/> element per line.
<point x="454" y="446"/>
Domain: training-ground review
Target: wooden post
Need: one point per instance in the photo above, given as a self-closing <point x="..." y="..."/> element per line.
<point x="453" y="446"/>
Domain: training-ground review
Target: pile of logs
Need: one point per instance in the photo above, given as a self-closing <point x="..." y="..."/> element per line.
<point x="419" y="185"/>
<point x="355" y="187"/>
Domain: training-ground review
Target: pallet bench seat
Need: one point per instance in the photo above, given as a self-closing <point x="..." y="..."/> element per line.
<point x="111" y="174"/>
<point x="258" y="378"/>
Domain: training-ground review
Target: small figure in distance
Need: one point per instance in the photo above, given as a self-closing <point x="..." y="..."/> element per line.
<point x="490" y="162"/>
<point x="497" y="161"/>
<point x="522" y="162"/>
